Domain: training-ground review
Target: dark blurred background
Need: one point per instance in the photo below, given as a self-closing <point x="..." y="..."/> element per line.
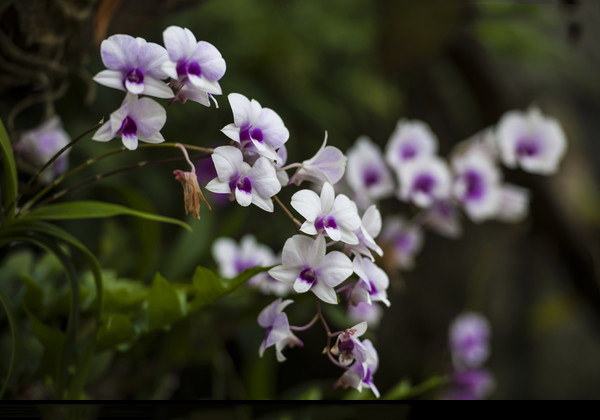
<point x="350" y="67"/>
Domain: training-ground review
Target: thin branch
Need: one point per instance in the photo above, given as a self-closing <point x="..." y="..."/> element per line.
<point x="287" y="212"/>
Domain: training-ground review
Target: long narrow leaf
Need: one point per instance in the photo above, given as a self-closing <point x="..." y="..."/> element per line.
<point x="94" y="210"/>
<point x="10" y="171"/>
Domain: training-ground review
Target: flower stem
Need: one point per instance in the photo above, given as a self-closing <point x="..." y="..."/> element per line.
<point x="109" y="173"/>
<point x="330" y="335"/>
<point x="287" y="212"/>
<point x="307" y="326"/>
<point x="91" y="161"/>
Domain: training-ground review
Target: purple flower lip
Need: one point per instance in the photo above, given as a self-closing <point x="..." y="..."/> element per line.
<point x="408" y="151"/>
<point x="371" y="177"/>
<point x="128" y="127"/>
<point x="528" y="147"/>
<point x="308" y="275"/>
<point x="244" y="184"/>
<point x="424" y="183"/>
<point x="135" y="76"/>
<point x="475" y="186"/>
<point x="326" y="222"/>
<point x="185" y="67"/>
<point x="346" y="346"/>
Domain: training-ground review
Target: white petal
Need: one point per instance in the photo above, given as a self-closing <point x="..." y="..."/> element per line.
<point x="119" y="52"/>
<point x="327" y="198"/>
<point x="155" y="138"/>
<point x="265" y="204"/>
<point x="308" y="228"/>
<point x="232" y="131"/>
<point x="243" y="198"/>
<point x="228" y="161"/>
<point x="308" y="204"/>
<point x="301" y="286"/>
<point x="264" y="178"/>
<point x="242" y="109"/>
<point x="335" y="268"/>
<point x="298" y="251"/>
<point x="346" y="213"/>
<point x="130" y="142"/>
<point x="286" y="275"/>
<point x="170" y="69"/>
<point x="157" y="88"/>
<point x="324" y="292"/>
<point x="180" y="42"/>
<point x="219" y="187"/>
<point x="110" y="78"/>
<point x="149" y="116"/>
<point x="104" y="133"/>
<point x="334" y="234"/>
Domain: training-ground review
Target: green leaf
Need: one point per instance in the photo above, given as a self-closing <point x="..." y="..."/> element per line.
<point x="115" y="330"/>
<point x="94" y="210"/>
<point x="210" y="286"/>
<point x="14" y="356"/>
<point x="10" y="171"/>
<point x="164" y="306"/>
<point x="404" y="390"/>
<point x="53" y="341"/>
<point x="33" y="293"/>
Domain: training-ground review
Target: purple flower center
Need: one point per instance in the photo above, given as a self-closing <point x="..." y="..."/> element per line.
<point x="371" y="176"/>
<point x="135" y="76"/>
<point x="408" y="151"/>
<point x="128" y="127"/>
<point x="346" y="346"/>
<point x="250" y="133"/>
<point x="475" y="185"/>
<point x="268" y="331"/>
<point x="528" y="147"/>
<point x="241" y="265"/>
<point x="308" y="275"/>
<point x="244" y="184"/>
<point x="424" y="183"/>
<point x="374" y="290"/>
<point x="326" y="222"/>
<point x="186" y="67"/>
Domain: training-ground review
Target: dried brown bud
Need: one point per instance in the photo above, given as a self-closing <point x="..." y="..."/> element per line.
<point x="191" y="192"/>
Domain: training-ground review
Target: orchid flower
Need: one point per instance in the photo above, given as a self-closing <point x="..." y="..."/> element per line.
<point x="424" y="181"/>
<point x="361" y="374"/>
<point x="278" y="331"/>
<point x="469" y="340"/>
<point x="134" y="65"/>
<point x="136" y="119"/>
<point x="402" y="240"/>
<point x="349" y="348"/>
<point x="337" y="217"/>
<point x="410" y="140"/>
<point x="308" y="267"/>
<point x="327" y="165"/>
<point x="373" y="283"/>
<point x="367" y="173"/>
<point x="370" y="226"/>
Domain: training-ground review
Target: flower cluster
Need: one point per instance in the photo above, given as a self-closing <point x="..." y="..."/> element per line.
<point x="139" y="67"/>
<point x="469" y="180"/>
<point x="469" y="337"/>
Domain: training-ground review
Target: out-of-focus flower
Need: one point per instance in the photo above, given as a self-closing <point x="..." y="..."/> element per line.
<point x="234" y="259"/>
<point x="255" y="125"/>
<point x="362" y="311"/>
<point x="327" y="165"/>
<point x="410" y="140"/>
<point x="424" y="181"/>
<point x="443" y="217"/>
<point x="195" y="67"/>
<point x="470" y="384"/>
<point x="513" y="203"/>
<point x="361" y="374"/>
<point x="248" y="185"/>
<point x="348" y="347"/>
<point x="532" y="141"/>
<point x="308" y="267"/>
<point x="335" y="216"/>
<point x="134" y="65"/>
<point x="282" y="175"/>
<point x="367" y="173"/>
<point x="402" y="241"/>
<point x="38" y="145"/>
<point x="469" y="340"/>
<point x="373" y="282"/>
<point x="136" y="119"/>
<point x="476" y="184"/>
<point x="369" y="229"/>
<point x="278" y="329"/>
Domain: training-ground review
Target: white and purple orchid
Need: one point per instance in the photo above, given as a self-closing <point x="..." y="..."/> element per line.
<point x="233" y="259"/>
<point x="424" y="181"/>
<point x="337" y="217"/>
<point x="469" y="337"/>
<point x="476" y="184"/>
<point x="38" y="145"/>
<point x="513" y="203"/>
<point x="367" y="173"/>
<point x="306" y="265"/>
<point x="246" y="184"/>
<point x="278" y="331"/>
<point x="134" y="65"/>
<point x="349" y="348"/>
<point x="411" y="140"/>
<point x="532" y="141"/>
<point x="327" y="165"/>
<point x="255" y="126"/>
<point x="402" y="240"/>
<point x="194" y="67"/>
<point x="136" y="119"/>
<point x="370" y="227"/>
<point x="372" y="285"/>
<point x="361" y="374"/>
<point x="443" y="217"/>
